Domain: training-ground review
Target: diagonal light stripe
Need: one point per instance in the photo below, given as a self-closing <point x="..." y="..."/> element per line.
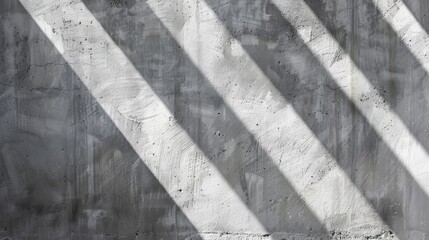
<point x="388" y="125"/>
<point x="408" y="28"/>
<point x="205" y="31"/>
<point x="118" y="87"/>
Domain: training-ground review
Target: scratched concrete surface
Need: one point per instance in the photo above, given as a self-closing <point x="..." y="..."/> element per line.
<point x="129" y="119"/>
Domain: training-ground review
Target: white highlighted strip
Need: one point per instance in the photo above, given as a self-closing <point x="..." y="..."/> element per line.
<point x="408" y="28"/>
<point x="261" y="108"/>
<point x="142" y="117"/>
<point x="386" y="123"/>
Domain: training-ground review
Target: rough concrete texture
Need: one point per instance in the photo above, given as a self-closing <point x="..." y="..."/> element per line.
<point x="214" y="119"/>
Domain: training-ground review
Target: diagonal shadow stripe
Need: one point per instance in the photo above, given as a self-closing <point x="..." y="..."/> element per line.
<point x="66" y="170"/>
<point x="185" y="91"/>
<point x="360" y="151"/>
<point x="398" y="75"/>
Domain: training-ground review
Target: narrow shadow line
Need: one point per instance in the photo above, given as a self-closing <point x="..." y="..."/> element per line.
<point x="66" y="171"/>
<point x="202" y="113"/>
<point x="332" y="117"/>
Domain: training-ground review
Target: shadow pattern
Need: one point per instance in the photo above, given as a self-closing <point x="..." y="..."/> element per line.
<point x="202" y="113"/>
<point x="378" y="51"/>
<point x="66" y="170"/>
<point x="78" y="135"/>
<point x="320" y="102"/>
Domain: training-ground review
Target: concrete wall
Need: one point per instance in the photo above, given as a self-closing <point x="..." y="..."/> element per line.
<point x="214" y="119"/>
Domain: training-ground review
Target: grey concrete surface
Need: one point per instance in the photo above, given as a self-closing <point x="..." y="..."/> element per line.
<point x="67" y="172"/>
<point x="127" y="119"/>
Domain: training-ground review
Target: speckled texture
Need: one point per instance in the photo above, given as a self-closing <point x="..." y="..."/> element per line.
<point x="215" y="119"/>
